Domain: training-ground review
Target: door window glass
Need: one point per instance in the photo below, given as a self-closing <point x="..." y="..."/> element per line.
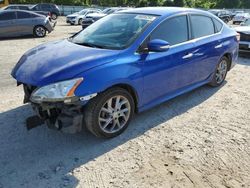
<point x="173" y="30"/>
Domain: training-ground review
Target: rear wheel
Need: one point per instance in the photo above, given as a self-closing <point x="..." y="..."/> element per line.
<point x="109" y="113"/>
<point x="220" y="73"/>
<point x="40" y="31"/>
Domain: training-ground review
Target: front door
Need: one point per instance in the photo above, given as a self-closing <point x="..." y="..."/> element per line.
<point x="167" y="72"/>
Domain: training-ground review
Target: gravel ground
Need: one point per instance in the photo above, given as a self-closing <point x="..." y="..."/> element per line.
<point x="200" y="139"/>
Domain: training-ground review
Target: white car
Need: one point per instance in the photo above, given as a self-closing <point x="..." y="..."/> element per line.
<point x="244" y="31"/>
<point x="241" y="17"/>
<point x="76" y="18"/>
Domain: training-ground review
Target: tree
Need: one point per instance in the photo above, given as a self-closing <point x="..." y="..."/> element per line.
<point x="179" y="3"/>
<point x="229" y="3"/>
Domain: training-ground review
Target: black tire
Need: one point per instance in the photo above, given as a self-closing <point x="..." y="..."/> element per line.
<point x="234" y="23"/>
<point x="54" y="16"/>
<point x="40" y="31"/>
<point x="93" y="111"/>
<point x="80" y="21"/>
<point x="215" y="82"/>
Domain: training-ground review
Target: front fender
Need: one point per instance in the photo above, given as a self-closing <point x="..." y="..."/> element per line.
<point x="103" y="77"/>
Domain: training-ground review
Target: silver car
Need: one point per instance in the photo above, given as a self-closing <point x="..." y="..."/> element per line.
<point x="19" y="22"/>
<point x="241" y="17"/>
<point x="244" y="31"/>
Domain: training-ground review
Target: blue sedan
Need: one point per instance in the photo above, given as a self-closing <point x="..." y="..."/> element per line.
<point x="125" y="63"/>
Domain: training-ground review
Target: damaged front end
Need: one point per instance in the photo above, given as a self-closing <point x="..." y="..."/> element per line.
<point x="65" y="115"/>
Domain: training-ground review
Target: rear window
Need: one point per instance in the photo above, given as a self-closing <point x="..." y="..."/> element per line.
<point x="201" y="26"/>
<point x="218" y="25"/>
<point x="23" y="8"/>
<point x="23" y="15"/>
<point x="7" y="16"/>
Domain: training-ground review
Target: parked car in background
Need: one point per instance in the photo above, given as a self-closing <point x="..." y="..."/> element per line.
<point x="244" y="31"/>
<point x="222" y="14"/>
<point x="20" y="22"/>
<point x="25" y="7"/>
<point x="16" y="7"/>
<point x="91" y="18"/>
<point x="241" y="17"/>
<point x="237" y="12"/>
<point x="48" y="7"/>
<point x="124" y="63"/>
<point x="76" y="18"/>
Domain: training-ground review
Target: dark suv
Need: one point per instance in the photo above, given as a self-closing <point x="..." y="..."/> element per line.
<point x="222" y="14"/>
<point x="25" y="7"/>
<point x="52" y="8"/>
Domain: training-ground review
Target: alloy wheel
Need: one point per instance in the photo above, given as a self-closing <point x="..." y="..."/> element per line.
<point x="40" y="31"/>
<point x="114" y="114"/>
<point x="221" y="71"/>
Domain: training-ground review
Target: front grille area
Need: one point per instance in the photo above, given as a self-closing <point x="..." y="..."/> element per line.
<point x="244" y="37"/>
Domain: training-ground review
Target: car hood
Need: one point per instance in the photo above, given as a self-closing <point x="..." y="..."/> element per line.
<point x="243" y="29"/>
<point x="71" y="15"/>
<point x="96" y="15"/>
<point x="57" y="61"/>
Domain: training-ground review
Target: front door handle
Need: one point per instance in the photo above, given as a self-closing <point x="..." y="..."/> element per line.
<point x="218" y="46"/>
<point x="188" y="56"/>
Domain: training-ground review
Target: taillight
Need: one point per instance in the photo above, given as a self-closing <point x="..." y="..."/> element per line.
<point x="238" y="37"/>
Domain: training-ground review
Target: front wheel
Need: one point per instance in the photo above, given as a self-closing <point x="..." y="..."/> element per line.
<point x="220" y="72"/>
<point x="80" y="21"/>
<point x="40" y="31"/>
<point x="109" y="113"/>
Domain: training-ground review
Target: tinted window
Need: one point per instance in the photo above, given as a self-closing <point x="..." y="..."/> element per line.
<point x="174" y="30"/>
<point x="8" y="16"/>
<point x="23" y="15"/>
<point x="218" y="25"/>
<point x="45" y="6"/>
<point x="11" y="8"/>
<point x="201" y="26"/>
<point x="23" y="8"/>
<point x="36" y="7"/>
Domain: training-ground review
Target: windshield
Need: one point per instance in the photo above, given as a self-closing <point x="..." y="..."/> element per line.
<point x="105" y="11"/>
<point x="82" y="12"/>
<point x="215" y="12"/>
<point x="116" y="31"/>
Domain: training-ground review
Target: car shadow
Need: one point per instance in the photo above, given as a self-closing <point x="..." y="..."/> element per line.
<point x="47" y="157"/>
<point x="244" y="58"/>
<point x="18" y="38"/>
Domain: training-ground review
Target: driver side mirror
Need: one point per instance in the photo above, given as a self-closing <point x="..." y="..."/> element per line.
<point x="158" y="45"/>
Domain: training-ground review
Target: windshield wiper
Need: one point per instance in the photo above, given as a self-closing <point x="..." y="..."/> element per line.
<point x="90" y="45"/>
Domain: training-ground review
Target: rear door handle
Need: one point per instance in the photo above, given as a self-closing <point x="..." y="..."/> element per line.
<point x="188" y="56"/>
<point x="218" y="46"/>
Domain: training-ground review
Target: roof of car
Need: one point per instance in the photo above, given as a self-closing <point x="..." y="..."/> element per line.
<point x="162" y="11"/>
<point x="30" y="12"/>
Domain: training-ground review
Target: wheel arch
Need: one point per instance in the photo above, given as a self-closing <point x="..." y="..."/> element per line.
<point x="229" y="57"/>
<point x="129" y="89"/>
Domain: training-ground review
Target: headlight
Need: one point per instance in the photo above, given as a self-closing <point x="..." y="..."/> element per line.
<point x="56" y="92"/>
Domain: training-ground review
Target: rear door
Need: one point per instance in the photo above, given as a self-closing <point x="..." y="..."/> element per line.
<point x="208" y="46"/>
<point x="24" y="22"/>
<point x="8" y="24"/>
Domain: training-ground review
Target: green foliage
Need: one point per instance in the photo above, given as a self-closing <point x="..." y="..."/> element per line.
<point x="144" y="3"/>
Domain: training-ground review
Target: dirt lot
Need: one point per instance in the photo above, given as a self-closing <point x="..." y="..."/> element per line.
<point x="200" y="139"/>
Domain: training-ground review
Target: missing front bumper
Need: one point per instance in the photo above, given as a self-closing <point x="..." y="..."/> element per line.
<point x="58" y="116"/>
